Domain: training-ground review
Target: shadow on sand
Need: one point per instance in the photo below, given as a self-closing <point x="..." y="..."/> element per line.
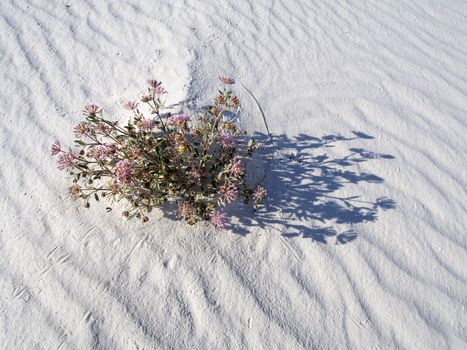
<point x="303" y="188"/>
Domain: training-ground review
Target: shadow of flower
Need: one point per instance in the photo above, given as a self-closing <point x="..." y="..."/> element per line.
<point x="303" y="188"/>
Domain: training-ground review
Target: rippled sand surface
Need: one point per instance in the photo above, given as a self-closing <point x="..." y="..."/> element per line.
<point x="363" y="243"/>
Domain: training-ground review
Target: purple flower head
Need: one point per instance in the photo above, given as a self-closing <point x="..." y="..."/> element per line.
<point x="91" y="109"/>
<point x="227" y="80"/>
<point x="259" y="194"/>
<point x="146" y="124"/>
<point x="56" y="148"/>
<point x="66" y="161"/>
<point x="218" y="218"/>
<point x="194" y="174"/>
<point x="178" y="120"/>
<point x="230" y="194"/>
<point x="130" y="105"/>
<point x="227" y="139"/>
<point x="123" y="171"/>
<point x="236" y="167"/>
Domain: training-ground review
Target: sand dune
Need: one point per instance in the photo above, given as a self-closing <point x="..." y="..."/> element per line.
<point x="363" y="243"/>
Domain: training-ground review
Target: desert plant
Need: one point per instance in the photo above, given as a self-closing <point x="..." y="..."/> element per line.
<point x="197" y="162"/>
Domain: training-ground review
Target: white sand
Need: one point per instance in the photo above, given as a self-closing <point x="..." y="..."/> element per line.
<point x="382" y="81"/>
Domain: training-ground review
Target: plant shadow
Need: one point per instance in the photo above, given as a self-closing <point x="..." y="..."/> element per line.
<point x="303" y="184"/>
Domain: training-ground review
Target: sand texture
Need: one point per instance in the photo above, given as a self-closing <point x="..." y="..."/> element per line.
<point x="363" y="242"/>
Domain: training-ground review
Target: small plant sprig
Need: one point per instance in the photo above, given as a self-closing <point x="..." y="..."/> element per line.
<point x="199" y="163"/>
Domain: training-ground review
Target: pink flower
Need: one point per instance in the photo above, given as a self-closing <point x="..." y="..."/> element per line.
<point x="178" y="120"/>
<point x="230" y="194"/>
<point x="159" y="90"/>
<point x="82" y="129"/>
<point x="102" y="128"/>
<point x="66" y="161"/>
<point x="259" y="194"/>
<point x="218" y="218"/>
<point x="130" y="105"/>
<point x="102" y="152"/>
<point x="56" y="147"/>
<point x="108" y="150"/>
<point x="95" y="153"/>
<point x="227" y="80"/>
<point x="227" y="139"/>
<point x="91" y="109"/>
<point x="194" y="174"/>
<point x="154" y="84"/>
<point x="236" y="167"/>
<point x="146" y="124"/>
<point x="123" y="171"/>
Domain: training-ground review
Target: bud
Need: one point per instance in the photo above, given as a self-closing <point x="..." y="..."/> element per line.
<point x="114" y="189"/>
<point x="74" y="191"/>
<point x="126" y="213"/>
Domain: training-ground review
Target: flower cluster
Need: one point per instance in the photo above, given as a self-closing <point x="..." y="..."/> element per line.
<point x="196" y="159"/>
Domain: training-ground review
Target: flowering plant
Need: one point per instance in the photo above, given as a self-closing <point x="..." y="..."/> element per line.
<point x="197" y="162"/>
